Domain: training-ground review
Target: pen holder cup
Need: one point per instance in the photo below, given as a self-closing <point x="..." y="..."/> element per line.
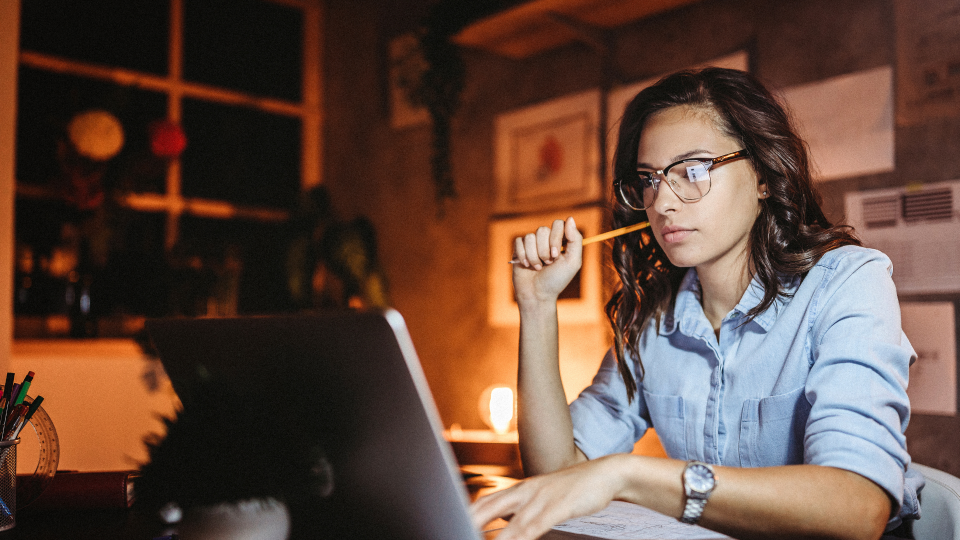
<point x="8" y="484"/>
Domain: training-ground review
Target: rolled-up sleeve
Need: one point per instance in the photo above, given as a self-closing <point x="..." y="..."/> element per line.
<point x="605" y="421"/>
<point x="857" y="382"/>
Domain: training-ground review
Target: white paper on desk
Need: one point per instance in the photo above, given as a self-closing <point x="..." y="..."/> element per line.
<point x="625" y="521"/>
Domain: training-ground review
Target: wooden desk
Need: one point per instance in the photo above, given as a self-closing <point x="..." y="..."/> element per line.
<point x="83" y="525"/>
<point x="497" y="455"/>
<point x="133" y="525"/>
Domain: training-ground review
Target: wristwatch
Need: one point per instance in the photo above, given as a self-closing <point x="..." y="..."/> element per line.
<point x="698" y="483"/>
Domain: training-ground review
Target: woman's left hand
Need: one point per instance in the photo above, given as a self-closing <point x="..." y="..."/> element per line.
<point x="538" y="503"/>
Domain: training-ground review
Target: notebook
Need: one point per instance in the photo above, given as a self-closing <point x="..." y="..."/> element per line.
<point x="357" y="378"/>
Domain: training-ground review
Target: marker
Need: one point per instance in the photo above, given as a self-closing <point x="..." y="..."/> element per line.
<point x="26" y="418"/>
<point x="23" y="388"/>
<point x="33" y="408"/>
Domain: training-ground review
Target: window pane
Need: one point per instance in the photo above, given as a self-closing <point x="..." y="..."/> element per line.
<point x="130" y="34"/>
<point x="240" y="155"/>
<point x="135" y="280"/>
<point x="242" y="262"/>
<point x="120" y="250"/>
<point x="47" y="102"/>
<point x="248" y="45"/>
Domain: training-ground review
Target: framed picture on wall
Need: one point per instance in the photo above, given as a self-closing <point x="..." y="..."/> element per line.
<point x="407" y="66"/>
<point x="547" y="155"/>
<point x="579" y="303"/>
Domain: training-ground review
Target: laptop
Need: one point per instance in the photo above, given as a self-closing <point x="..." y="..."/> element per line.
<point x="356" y="377"/>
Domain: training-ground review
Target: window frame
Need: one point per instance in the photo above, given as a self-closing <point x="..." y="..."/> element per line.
<point x="172" y="202"/>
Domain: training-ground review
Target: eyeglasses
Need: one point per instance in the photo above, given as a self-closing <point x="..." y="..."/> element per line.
<point x="688" y="178"/>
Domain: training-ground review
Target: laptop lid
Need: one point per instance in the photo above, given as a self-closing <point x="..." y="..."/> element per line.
<point x="356" y="378"/>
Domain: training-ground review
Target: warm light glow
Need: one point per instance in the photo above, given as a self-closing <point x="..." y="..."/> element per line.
<point x="501" y="409"/>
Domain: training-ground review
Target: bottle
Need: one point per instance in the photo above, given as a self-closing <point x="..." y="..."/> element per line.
<point x="83" y="323"/>
<point x="25" y="299"/>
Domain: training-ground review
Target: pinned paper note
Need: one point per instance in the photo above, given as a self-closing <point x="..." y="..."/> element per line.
<point x="625" y="521"/>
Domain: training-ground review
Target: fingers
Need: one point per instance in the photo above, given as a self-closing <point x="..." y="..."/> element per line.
<point x="487" y="509"/>
<point x="556" y="239"/>
<point x="524" y="505"/>
<point x="573" y="236"/>
<point x="542" y="247"/>
<point x="519" y="505"/>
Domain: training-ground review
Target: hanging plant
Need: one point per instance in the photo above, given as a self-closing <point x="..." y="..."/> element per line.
<point x="442" y="82"/>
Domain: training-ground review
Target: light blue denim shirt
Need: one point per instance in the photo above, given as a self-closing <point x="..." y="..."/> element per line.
<point x="818" y="378"/>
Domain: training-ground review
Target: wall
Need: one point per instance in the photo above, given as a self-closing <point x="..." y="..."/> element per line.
<point x="104" y="397"/>
<point x="437" y="266"/>
<point x="9" y="38"/>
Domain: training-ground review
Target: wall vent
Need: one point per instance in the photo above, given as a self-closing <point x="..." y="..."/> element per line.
<point x="918" y="228"/>
<point x="881" y="211"/>
<point x="932" y="204"/>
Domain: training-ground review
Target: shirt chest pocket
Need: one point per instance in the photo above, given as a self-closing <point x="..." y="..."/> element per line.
<point x="666" y="414"/>
<point x="772" y="428"/>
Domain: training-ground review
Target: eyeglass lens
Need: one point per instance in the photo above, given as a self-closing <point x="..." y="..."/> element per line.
<point x="689" y="179"/>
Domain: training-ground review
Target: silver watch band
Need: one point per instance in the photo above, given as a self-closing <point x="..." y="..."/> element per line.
<point x="693" y="510"/>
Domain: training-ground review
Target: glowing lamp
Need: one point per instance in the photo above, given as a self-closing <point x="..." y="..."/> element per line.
<point x="497" y="406"/>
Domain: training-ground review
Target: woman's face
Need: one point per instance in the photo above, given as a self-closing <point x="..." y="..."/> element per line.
<point x="712" y="233"/>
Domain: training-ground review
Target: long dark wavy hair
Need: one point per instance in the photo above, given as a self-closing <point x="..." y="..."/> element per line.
<point x="787" y="239"/>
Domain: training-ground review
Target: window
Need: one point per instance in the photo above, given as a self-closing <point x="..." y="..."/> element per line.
<point x="114" y="222"/>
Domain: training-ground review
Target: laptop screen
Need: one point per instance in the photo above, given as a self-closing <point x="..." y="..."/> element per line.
<point x="357" y="385"/>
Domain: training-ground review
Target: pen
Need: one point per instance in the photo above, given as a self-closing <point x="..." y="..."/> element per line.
<point x="6" y="509"/>
<point x="607" y="235"/>
<point x="23" y="388"/>
<point x="14" y="392"/>
<point x="7" y="397"/>
<point x="14" y="421"/>
<point x="26" y="417"/>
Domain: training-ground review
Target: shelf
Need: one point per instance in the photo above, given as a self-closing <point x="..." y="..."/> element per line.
<point x="45" y="327"/>
<point x="533" y="27"/>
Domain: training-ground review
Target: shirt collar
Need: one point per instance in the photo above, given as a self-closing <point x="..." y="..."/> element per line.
<point x="754" y="295"/>
<point x="687" y="305"/>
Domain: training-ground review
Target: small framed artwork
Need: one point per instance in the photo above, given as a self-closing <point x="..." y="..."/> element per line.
<point x="407" y="66"/>
<point x="547" y="155"/>
<point x="579" y="303"/>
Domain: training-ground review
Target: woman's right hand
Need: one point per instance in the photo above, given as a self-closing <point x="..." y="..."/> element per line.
<point x="542" y="269"/>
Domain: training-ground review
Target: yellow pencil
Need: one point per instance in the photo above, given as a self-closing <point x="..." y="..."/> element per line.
<point x="608" y="235"/>
<point x="616" y="232"/>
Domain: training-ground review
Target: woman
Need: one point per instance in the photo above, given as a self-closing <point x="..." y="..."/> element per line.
<point x="762" y="343"/>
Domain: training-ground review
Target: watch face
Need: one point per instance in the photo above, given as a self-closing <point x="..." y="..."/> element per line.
<point x="699" y="478"/>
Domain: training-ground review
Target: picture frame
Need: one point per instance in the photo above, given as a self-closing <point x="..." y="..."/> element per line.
<point x="548" y="155"/>
<point x="581" y="303"/>
<point x="406" y="67"/>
